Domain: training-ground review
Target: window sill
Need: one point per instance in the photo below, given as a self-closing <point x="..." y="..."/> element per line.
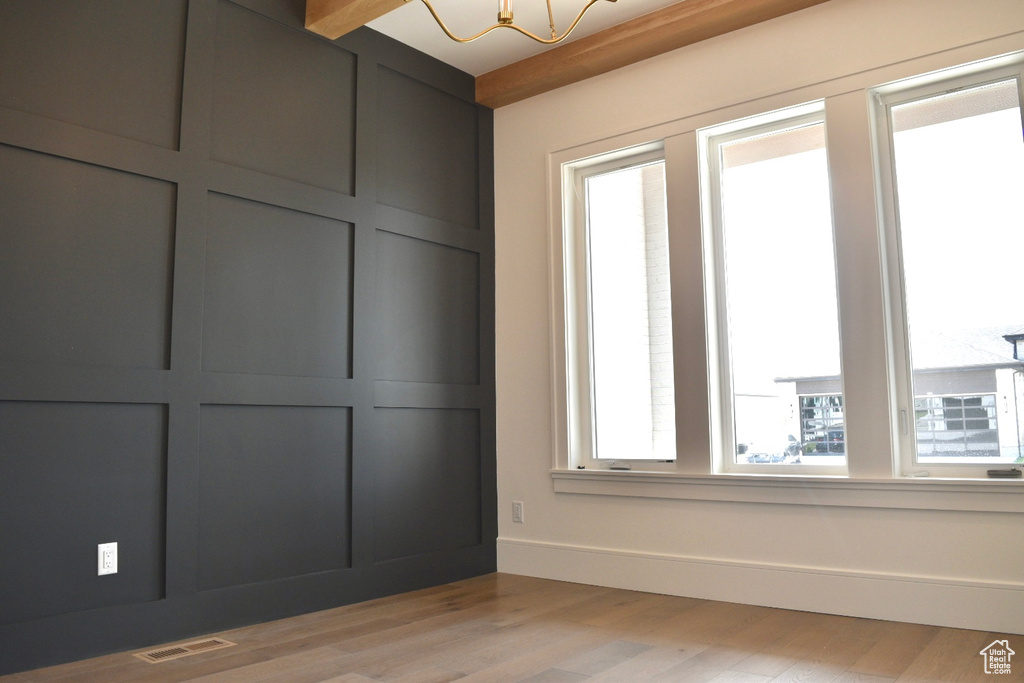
<point x="977" y="495"/>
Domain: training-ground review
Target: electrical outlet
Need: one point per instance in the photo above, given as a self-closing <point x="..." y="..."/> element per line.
<point x="107" y="558"/>
<point x="517" y="511"/>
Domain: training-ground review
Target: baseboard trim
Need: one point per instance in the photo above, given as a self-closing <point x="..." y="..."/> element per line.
<point x="941" y="601"/>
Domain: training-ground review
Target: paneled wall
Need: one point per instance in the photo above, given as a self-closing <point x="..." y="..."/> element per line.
<point x="246" y="321"/>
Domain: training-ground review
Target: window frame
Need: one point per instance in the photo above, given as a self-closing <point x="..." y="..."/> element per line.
<point x="710" y="142"/>
<point x="874" y="479"/>
<point x="883" y="98"/>
<point x="579" y="389"/>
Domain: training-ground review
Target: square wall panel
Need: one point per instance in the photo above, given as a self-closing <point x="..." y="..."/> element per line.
<point x="427" y="151"/>
<point x="85" y="263"/>
<point x="283" y="101"/>
<point x="426" y="481"/>
<point x="111" y="65"/>
<point x="274" y="492"/>
<point x="278" y="291"/>
<point x="72" y="476"/>
<point x="428" y="311"/>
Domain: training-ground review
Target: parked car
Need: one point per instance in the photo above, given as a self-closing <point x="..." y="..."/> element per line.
<point x="771" y="451"/>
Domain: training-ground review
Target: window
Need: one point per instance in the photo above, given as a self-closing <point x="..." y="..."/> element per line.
<point x="621" y="297"/>
<point x="838" y="309"/>
<point x="953" y="154"/>
<point x="770" y="253"/>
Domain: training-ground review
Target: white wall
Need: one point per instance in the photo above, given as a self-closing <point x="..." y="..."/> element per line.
<point x="932" y="566"/>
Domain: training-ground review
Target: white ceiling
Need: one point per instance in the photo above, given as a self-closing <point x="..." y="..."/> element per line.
<point x="413" y="25"/>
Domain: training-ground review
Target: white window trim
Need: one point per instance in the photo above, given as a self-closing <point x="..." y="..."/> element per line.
<point x="722" y="417"/>
<point x="869" y="398"/>
<point x="573" y="278"/>
<point x="932" y="493"/>
<point x="883" y="98"/>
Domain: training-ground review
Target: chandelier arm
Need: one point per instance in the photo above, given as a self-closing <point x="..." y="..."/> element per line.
<point x="525" y="32"/>
<point x="551" y="21"/>
<point x="451" y="35"/>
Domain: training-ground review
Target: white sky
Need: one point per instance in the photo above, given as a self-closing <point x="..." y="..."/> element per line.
<point x="781" y="283"/>
<point x="960" y="190"/>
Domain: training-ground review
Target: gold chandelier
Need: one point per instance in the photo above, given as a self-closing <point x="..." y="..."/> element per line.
<point x="506" y="20"/>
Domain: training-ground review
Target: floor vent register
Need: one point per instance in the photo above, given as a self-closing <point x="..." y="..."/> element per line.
<point x="170" y="652"/>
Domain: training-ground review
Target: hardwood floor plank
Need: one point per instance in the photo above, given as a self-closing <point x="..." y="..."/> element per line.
<point x="952" y="655"/>
<point x="853" y="677"/>
<point x="708" y="665"/>
<point x="602" y="658"/>
<point x="809" y="633"/>
<point x="185" y="669"/>
<point x="532" y="663"/>
<point x="762" y="633"/>
<point x="651" y="624"/>
<point x="555" y="676"/>
<point x="429" y="674"/>
<point x="610" y="607"/>
<point x="507" y="643"/>
<point x="558" y="597"/>
<point x="313" y="673"/>
<point x="702" y="625"/>
<point x="428" y="626"/>
<point x="739" y="677"/>
<point x="897" y="646"/>
<point x="401" y="657"/>
<point x="645" y="666"/>
<point x="289" y="664"/>
<point x="831" y="662"/>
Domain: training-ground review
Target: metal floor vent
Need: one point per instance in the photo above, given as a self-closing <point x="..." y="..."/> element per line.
<point x="164" y="654"/>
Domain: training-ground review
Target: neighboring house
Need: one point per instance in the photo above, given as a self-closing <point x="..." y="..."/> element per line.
<point x="968" y="398"/>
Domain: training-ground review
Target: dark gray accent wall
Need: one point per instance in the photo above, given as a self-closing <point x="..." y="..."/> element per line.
<point x="246" y="321"/>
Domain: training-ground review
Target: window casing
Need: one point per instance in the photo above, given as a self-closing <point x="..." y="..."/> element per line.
<point x="617" y="276"/>
<point x="876" y="409"/>
<point x="951" y="162"/>
<point x="770" y="253"/>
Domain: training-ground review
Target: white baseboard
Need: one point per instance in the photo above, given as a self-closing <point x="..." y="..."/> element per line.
<point x="940" y="601"/>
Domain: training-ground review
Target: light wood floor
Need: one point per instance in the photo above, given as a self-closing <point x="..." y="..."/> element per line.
<point x="511" y="628"/>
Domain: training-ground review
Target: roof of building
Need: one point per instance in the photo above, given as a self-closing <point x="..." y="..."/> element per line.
<point x="951" y="348"/>
<point x="947" y="349"/>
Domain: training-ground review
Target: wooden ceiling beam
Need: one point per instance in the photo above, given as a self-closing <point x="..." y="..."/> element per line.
<point x="673" y="27"/>
<point x="335" y="18"/>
